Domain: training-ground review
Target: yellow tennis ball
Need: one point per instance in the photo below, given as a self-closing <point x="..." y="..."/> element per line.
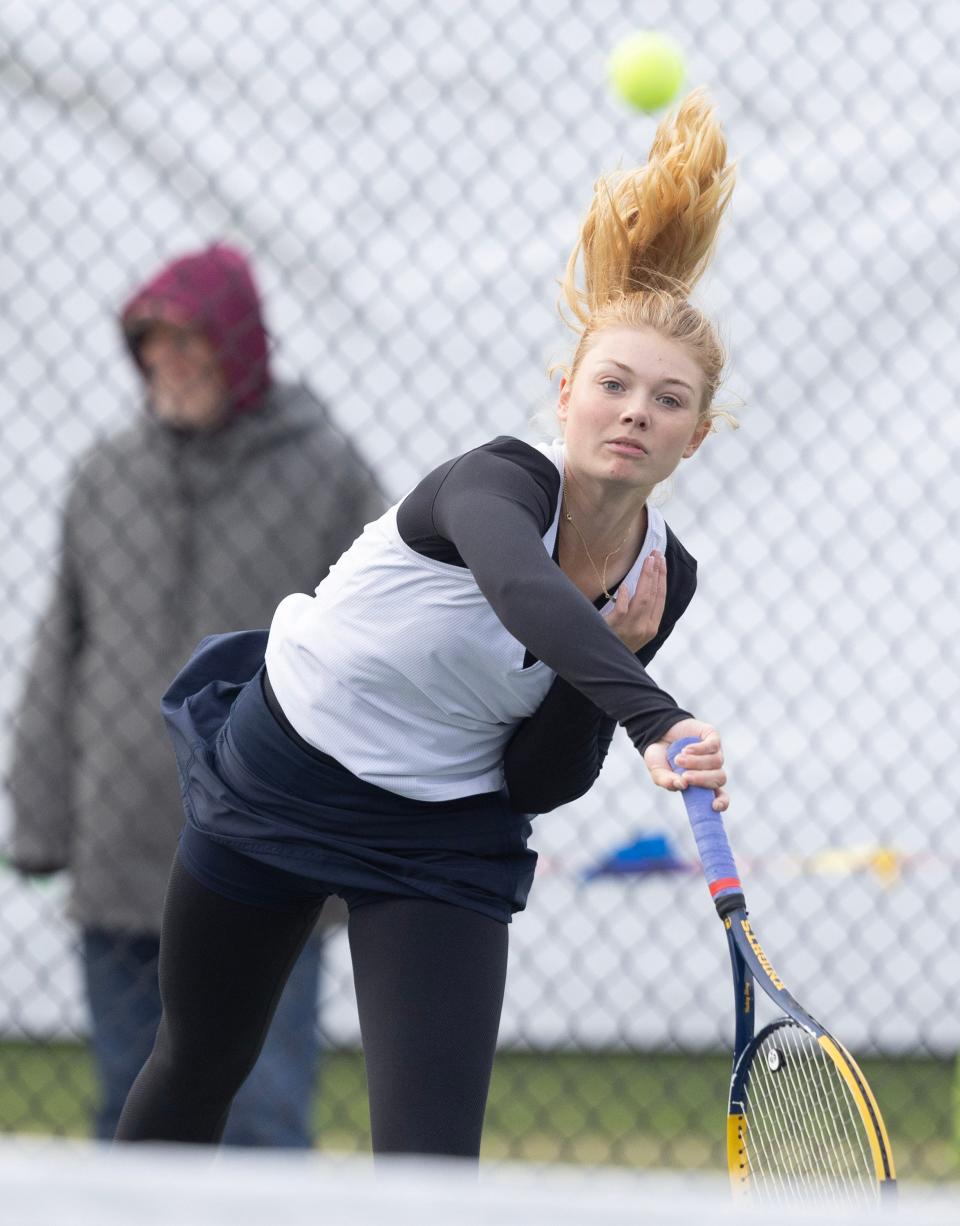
<point x="646" y="69"/>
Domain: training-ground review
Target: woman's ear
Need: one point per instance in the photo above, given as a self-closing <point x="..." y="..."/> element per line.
<point x="699" y="435"/>
<point x="563" y="400"/>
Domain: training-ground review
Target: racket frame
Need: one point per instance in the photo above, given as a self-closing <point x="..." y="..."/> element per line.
<point x="751" y="968"/>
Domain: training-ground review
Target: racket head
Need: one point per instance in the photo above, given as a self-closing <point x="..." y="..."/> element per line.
<point x="802" y="1123"/>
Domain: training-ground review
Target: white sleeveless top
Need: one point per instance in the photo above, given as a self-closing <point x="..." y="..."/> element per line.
<point x="399" y="668"/>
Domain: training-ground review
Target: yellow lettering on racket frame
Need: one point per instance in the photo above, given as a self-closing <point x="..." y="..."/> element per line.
<point x="761" y="956"/>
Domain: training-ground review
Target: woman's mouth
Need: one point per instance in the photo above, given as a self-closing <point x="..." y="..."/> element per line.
<point x="627" y="446"/>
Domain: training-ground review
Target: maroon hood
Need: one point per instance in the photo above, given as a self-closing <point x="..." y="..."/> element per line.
<point x="214" y="291"/>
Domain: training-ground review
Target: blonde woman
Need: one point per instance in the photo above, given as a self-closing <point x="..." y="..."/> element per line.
<point x="461" y="668"/>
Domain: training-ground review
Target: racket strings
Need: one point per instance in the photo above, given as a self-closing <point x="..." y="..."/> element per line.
<point x="804" y="1138"/>
<point x="820" y="1137"/>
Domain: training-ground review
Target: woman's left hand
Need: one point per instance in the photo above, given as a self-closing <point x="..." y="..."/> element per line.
<point x="636" y="619"/>
<point x="701" y="761"/>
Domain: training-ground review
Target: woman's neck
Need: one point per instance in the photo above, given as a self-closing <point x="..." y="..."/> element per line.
<point x="600" y="535"/>
<point x="606" y="512"/>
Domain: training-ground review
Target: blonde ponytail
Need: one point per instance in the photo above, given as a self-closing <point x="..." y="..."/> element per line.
<point x="648" y="238"/>
<point x="654" y="228"/>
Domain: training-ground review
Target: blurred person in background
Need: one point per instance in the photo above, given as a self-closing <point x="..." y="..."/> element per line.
<point x="229" y="491"/>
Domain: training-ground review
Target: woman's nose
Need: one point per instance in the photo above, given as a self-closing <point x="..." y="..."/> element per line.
<point x="637" y="413"/>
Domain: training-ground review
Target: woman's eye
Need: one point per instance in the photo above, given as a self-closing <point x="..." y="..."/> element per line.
<point x="671" y="402"/>
<point x="612" y="385"/>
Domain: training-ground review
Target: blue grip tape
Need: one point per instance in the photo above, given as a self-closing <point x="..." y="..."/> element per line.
<point x="717" y="860"/>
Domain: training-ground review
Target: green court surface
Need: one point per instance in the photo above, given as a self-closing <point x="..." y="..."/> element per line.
<point x="633" y="1110"/>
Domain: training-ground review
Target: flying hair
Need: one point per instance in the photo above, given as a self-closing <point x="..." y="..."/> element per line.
<point x="654" y="227"/>
<point x="647" y="239"/>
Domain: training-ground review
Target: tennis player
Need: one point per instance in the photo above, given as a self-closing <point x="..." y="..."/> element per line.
<point x="462" y="667"/>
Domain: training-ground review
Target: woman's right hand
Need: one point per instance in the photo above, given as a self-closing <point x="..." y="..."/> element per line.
<point x="636" y="619"/>
<point x="702" y="762"/>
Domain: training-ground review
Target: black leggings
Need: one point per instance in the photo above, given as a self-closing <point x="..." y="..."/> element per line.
<point x="429" y="981"/>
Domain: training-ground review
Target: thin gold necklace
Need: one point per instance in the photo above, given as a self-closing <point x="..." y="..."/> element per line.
<point x="601" y="576"/>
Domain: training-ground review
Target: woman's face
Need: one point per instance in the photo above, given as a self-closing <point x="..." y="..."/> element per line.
<point x="187" y="387"/>
<point x="632" y="412"/>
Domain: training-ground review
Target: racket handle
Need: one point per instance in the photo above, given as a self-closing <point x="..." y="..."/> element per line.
<point x="716" y="858"/>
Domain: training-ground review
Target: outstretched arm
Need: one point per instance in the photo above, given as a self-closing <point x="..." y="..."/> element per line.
<point x="489" y="510"/>
<point x="557" y="754"/>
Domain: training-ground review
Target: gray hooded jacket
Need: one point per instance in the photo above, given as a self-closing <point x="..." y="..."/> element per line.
<point x="166" y="538"/>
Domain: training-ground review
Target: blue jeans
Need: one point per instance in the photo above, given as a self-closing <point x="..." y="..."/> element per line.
<point x="274" y="1105"/>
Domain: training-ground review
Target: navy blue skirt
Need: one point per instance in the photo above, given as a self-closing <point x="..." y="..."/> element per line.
<point x="251" y="790"/>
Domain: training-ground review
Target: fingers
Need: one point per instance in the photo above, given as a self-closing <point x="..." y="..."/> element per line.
<point x="636" y="619"/>
<point x="702" y="761"/>
<point x="661" y="773"/>
<point x="704" y="753"/>
<point x="700" y="764"/>
<point x="705" y="738"/>
<point x="660" y="589"/>
<point x="711" y="779"/>
<point x="664" y="777"/>
<point x="650" y="594"/>
<point x="622" y="603"/>
<point x="650" y="598"/>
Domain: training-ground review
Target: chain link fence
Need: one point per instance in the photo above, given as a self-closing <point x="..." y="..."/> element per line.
<point x="407" y="180"/>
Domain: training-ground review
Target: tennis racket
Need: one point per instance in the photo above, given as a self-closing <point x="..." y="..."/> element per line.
<point x="802" y="1122"/>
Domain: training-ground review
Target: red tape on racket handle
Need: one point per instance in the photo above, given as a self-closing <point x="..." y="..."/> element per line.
<point x="716" y="858"/>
